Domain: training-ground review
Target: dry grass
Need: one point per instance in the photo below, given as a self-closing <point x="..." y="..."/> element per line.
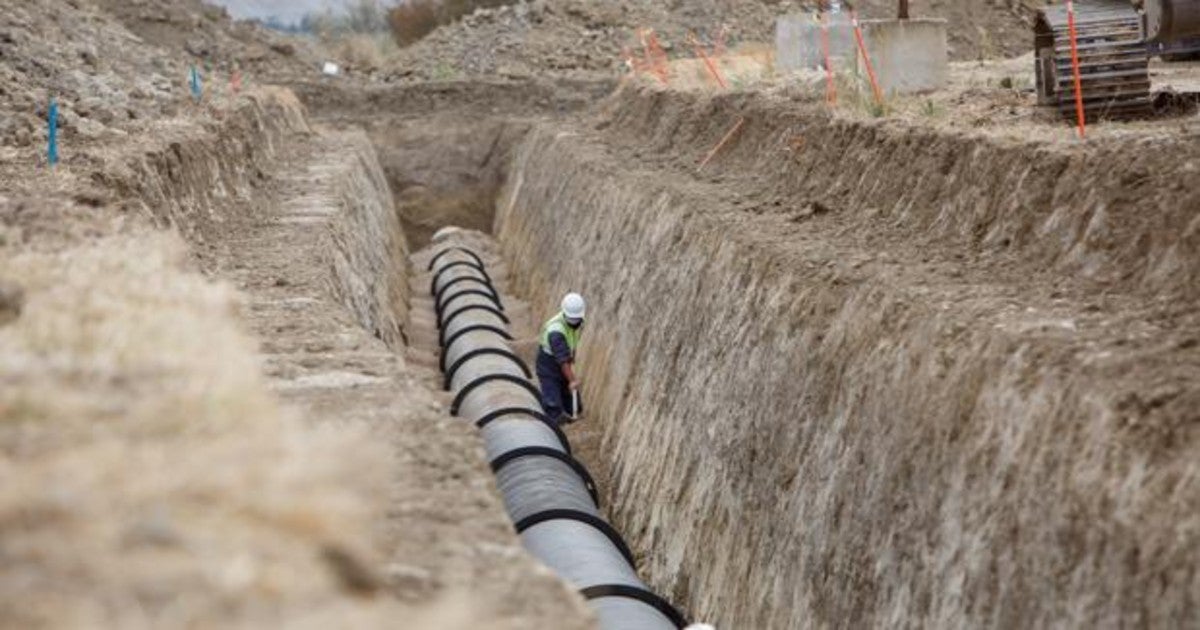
<point x="415" y="19"/>
<point x="362" y="52"/>
<point x="150" y="480"/>
<point x="412" y="21"/>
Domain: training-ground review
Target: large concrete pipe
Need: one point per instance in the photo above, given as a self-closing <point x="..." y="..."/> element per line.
<point x="549" y="495"/>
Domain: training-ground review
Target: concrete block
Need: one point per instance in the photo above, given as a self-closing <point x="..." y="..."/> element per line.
<point x="909" y="56"/>
<point x="798" y="43"/>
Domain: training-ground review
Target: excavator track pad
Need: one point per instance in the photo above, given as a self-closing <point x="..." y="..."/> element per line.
<point x="1114" y="61"/>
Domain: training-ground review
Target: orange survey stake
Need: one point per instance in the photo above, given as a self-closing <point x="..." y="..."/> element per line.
<point x="830" y="85"/>
<point x="862" y="48"/>
<point x="1079" y="112"/>
<point x="708" y="62"/>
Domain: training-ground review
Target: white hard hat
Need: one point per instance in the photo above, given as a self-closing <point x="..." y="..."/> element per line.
<point x="573" y="306"/>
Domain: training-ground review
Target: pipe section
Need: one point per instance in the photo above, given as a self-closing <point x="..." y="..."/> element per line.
<point x="550" y="496"/>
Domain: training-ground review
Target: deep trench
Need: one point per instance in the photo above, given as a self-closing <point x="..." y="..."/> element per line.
<point x="850" y="476"/>
<point x="452" y="176"/>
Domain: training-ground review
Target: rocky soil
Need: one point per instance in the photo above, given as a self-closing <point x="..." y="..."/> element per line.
<point x="205" y="414"/>
<point x="557" y="37"/>
<point x="958" y="394"/>
<point x="913" y="369"/>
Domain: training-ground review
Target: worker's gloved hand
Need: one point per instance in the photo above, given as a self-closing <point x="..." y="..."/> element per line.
<point x="574" y="385"/>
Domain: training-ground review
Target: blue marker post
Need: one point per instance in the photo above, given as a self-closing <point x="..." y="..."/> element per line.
<point x="197" y="89"/>
<point x="52" y="121"/>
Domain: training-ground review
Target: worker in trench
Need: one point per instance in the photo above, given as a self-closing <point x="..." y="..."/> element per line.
<point x="556" y="361"/>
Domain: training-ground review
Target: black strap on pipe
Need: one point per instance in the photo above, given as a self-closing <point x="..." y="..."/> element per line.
<point x="500" y="462"/>
<point x="449" y="250"/>
<point x="641" y="595"/>
<point x="437" y="298"/>
<point x="583" y="517"/>
<point x="461" y="263"/>
<point x="480" y="352"/>
<point x="467" y="309"/>
<point x="465" y="331"/>
<point x="439" y="308"/>
<point x="488" y="378"/>
<point x="524" y="411"/>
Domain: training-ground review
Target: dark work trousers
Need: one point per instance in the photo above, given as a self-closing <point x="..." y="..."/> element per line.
<point x="556" y="392"/>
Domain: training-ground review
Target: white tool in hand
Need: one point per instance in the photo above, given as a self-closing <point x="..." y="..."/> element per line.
<point x="574" y="415"/>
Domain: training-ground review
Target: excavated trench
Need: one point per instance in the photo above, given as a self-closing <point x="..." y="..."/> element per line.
<point x="825" y="392"/>
<point x="483" y="346"/>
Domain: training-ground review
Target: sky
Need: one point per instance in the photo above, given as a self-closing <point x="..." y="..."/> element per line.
<point x="287" y="10"/>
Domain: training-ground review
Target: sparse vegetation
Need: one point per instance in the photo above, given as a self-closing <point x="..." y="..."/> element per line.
<point x="412" y="21"/>
<point x="415" y="19"/>
<point x="360" y="17"/>
<point x="444" y="72"/>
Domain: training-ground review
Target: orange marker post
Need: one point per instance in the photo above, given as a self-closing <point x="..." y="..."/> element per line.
<point x="235" y="82"/>
<point x="1079" y="111"/>
<point x="724" y="141"/>
<point x="654" y="54"/>
<point x="862" y="49"/>
<point x="647" y="62"/>
<point x="712" y="67"/>
<point x="661" y="62"/>
<point x="830" y="85"/>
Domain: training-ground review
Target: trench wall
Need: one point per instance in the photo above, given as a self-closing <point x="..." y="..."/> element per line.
<point x="800" y="440"/>
<point x="206" y="186"/>
<point x="1117" y="212"/>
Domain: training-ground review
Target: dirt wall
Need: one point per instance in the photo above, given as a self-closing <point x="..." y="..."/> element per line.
<point x="210" y="188"/>
<point x="152" y="476"/>
<point x="444" y="170"/>
<point x="203" y="425"/>
<point x="366" y="246"/>
<point x="863" y="375"/>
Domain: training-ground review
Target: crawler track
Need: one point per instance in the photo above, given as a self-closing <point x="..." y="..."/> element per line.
<point x="1114" y="62"/>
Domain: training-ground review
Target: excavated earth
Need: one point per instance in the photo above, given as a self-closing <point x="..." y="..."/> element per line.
<point x="854" y="372"/>
<point x="851" y="373"/>
<point x="207" y="415"/>
<point x="905" y="377"/>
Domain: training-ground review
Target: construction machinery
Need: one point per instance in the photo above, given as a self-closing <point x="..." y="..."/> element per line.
<point x="1115" y="40"/>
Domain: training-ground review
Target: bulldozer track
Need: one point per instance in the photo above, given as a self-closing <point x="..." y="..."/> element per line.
<point x="1113" y="61"/>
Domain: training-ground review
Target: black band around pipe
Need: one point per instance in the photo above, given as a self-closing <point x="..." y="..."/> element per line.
<point x="467" y="309"/>
<point x="523" y="411"/>
<point x="460" y="263"/>
<point x="480" y="352"/>
<point x="583" y="517"/>
<point x="542" y="451"/>
<point x="437" y="298"/>
<point x="469" y="329"/>
<point x="641" y="595"/>
<point x="484" y="380"/>
<point x="438" y="307"/>
<point x="489" y="291"/>
<point x="449" y="250"/>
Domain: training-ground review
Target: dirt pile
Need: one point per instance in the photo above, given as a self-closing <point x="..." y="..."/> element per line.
<point x="205" y="34"/>
<point x="959" y="394"/>
<point x="570" y="36"/>
<point x="574" y="36"/>
<point x="198" y="426"/>
<point x="110" y="82"/>
<point x="140" y="443"/>
<point x="106" y="81"/>
<point x="976" y="29"/>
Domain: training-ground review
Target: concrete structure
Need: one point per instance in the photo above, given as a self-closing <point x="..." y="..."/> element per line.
<point x="909" y="56"/>
<point x="798" y="43"/>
